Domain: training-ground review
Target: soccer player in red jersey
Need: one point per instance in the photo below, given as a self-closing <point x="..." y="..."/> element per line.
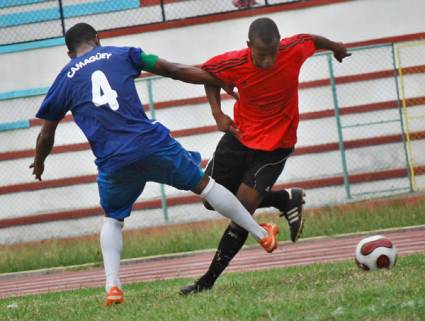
<point x="252" y="153"/>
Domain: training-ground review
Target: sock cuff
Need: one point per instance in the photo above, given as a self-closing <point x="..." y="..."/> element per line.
<point x="208" y="188"/>
<point x="110" y="220"/>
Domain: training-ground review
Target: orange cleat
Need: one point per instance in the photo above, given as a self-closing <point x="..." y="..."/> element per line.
<point x="114" y="296"/>
<point x="269" y="243"/>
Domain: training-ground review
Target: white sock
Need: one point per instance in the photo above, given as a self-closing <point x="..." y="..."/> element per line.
<point x="224" y="202"/>
<point x="111" y="245"/>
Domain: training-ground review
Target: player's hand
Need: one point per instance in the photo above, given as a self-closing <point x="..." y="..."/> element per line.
<point x="226" y="124"/>
<point x="37" y="170"/>
<point x="340" y="52"/>
<point x="230" y="89"/>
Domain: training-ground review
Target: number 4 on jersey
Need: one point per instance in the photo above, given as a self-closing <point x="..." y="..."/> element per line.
<point x="102" y="92"/>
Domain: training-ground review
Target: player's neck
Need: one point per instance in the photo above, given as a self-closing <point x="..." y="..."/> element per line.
<point x="84" y="48"/>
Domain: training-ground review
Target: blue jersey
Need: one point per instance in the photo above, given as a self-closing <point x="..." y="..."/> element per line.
<point x="98" y="88"/>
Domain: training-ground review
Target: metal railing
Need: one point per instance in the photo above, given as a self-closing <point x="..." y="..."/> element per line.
<point x="23" y="21"/>
<point x="361" y="136"/>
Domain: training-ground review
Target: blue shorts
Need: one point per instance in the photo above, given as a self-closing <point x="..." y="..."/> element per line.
<point x="171" y="165"/>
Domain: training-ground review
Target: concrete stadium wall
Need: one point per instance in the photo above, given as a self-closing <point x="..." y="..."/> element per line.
<point x="37" y="68"/>
<point x="350" y="21"/>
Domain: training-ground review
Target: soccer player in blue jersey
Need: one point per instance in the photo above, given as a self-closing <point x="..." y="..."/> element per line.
<point x="97" y="86"/>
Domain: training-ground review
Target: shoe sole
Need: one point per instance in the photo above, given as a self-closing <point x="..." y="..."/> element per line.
<point x="275" y="231"/>
<point x="109" y="302"/>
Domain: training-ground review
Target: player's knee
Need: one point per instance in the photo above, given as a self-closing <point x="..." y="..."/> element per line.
<point x="198" y="189"/>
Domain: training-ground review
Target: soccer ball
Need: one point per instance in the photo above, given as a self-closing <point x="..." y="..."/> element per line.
<point x="375" y="252"/>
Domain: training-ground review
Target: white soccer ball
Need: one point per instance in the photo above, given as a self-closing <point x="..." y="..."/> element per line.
<point x="375" y="252"/>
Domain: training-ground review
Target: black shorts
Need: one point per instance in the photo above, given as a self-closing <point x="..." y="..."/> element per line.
<point x="234" y="163"/>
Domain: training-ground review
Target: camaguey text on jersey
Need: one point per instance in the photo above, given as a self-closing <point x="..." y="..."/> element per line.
<point x="81" y="64"/>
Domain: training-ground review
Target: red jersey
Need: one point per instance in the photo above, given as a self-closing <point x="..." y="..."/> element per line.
<point x="267" y="111"/>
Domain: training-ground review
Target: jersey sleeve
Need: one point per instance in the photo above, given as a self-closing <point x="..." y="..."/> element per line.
<point x="218" y="66"/>
<point x="55" y="105"/>
<point x="141" y="60"/>
<point x="303" y="44"/>
<point x="135" y="57"/>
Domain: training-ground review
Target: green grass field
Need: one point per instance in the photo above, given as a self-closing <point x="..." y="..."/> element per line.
<point x="338" y="291"/>
<point x="198" y="236"/>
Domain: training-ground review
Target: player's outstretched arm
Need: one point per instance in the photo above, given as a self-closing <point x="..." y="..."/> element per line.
<point x="338" y="48"/>
<point x="182" y="72"/>
<point x="186" y="73"/>
<point x="44" y="145"/>
<point x="224" y="122"/>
